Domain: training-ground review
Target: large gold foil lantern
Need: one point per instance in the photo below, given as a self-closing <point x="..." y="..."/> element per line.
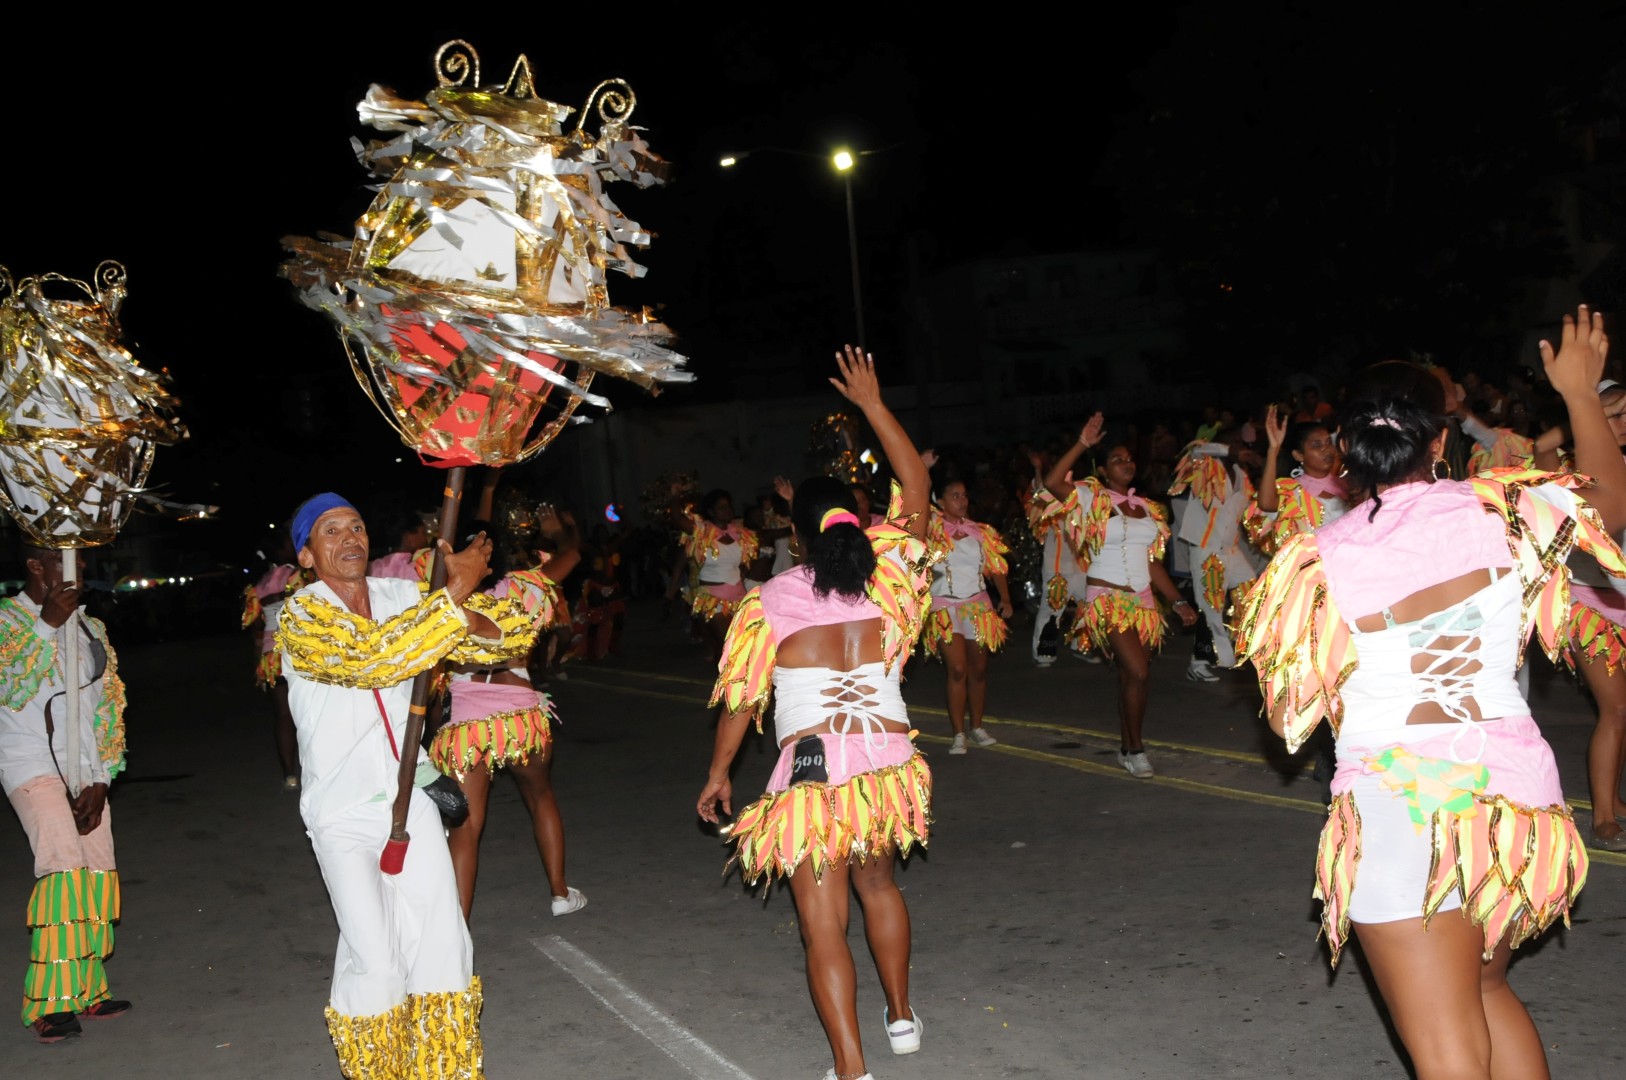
<point x="79" y="418"/>
<point x="472" y="299"/>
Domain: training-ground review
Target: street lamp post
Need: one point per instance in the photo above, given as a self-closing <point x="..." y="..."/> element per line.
<point x="843" y="161"/>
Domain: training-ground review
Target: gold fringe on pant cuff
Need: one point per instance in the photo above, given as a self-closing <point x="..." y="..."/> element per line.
<point x="426" y="1037"/>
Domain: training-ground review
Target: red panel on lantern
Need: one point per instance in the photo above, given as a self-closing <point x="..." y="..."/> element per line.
<point x="439" y="347"/>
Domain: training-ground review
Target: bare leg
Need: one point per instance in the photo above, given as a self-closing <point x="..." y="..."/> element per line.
<point x="1456" y="1014"/>
<point x="1607" y="745"/>
<point x="953" y="653"/>
<point x="886" y="928"/>
<point x="535" y="780"/>
<point x="1134" y="666"/>
<point x="822" y="909"/>
<point x="976" y="680"/>
<point x="716" y="634"/>
<point x="464" y="841"/>
<point x="287" y="737"/>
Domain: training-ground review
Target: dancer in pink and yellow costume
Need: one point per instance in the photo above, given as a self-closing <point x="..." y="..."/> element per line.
<point x="850" y="793"/>
<point x="965" y="625"/>
<point x="1597" y="652"/>
<point x="1401" y="625"/>
<point x="719" y="546"/>
<point x="500" y="721"/>
<point x="1313" y="496"/>
<point x="262" y="603"/>
<point x="1120" y="538"/>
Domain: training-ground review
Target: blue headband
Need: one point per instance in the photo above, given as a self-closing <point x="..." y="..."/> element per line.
<point x="311" y="509"/>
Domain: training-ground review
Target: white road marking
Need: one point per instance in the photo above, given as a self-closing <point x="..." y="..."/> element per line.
<point x="680" y="1044"/>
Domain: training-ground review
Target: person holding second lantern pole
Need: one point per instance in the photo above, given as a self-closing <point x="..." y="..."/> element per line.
<point x="75" y="901"/>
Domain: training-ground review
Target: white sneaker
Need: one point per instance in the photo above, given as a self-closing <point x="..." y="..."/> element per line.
<point x="1135" y="764"/>
<point x="1091" y="657"/>
<point x="1201" y="671"/>
<point x="830" y="1074"/>
<point x="982" y="737"/>
<point x="958" y="745"/>
<point x="904" y="1035"/>
<point x="1043" y="661"/>
<point x="564" y="905"/>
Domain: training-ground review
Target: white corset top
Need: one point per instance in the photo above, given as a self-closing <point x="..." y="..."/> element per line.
<point x="1125" y="557"/>
<point x="810" y="697"/>
<point x="1482" y="629"/>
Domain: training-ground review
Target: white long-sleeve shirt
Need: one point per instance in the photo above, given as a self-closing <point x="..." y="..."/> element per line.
<point x="25" y="751"/>
<point x="344" y="752"/>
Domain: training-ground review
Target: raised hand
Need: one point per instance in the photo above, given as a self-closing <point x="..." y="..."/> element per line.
<point x="1583" y="349"/>
<point x="1275" y="427"/>
<point x="784" y="489"/>
<point x="857" y="383"/>
<point x="547" y="521"/>
<point x="1090" y="434"/>
<point x="928" y="458"/>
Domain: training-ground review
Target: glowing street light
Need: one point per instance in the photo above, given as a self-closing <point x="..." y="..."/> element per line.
<point x="843" y="160"/>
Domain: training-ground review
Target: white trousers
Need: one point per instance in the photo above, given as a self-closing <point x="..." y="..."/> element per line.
<point x="398" y="934"/>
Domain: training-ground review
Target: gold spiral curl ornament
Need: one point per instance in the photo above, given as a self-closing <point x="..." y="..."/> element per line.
<point x="457" y="63"/>
<point x="472" y="300"/>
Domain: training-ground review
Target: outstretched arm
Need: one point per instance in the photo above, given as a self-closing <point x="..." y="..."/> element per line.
<point x="859" y="385"/>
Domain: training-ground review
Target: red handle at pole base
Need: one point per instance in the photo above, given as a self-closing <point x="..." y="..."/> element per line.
<point x="393" y="857"/>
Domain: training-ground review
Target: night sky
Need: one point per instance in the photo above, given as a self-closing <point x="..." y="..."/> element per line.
<point x="1363" y="187"/>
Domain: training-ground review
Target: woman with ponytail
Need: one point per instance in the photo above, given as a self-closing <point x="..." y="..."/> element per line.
<point x="850" y="793"/>
<point x="965" y="626"/>
<point x="1401" y="625"/>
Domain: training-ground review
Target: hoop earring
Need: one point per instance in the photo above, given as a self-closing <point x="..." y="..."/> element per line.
<point x="1296" y="471"/>
<point x="1441" y="470"/>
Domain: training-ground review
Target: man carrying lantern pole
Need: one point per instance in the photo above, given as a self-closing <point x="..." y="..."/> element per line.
<point x="403" y="991"/>
<point x="69" y="824"/>
<point x="473" y="307"/>
<point x="79" y="421"/>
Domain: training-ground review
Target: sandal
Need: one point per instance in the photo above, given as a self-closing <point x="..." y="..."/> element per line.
<point x="54" y="1027"/>
<point x="106" y="1010"/>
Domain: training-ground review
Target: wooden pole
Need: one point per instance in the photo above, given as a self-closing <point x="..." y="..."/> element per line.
<point x="394" y="855"/>
<point x="70" y="676"/>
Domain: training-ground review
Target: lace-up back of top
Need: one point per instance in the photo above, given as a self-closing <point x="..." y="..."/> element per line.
<point x="812" y="697"/>
<point x="1463" y="659"/>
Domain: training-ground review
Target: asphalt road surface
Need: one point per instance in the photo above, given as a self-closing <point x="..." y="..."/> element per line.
<point x="1069" y="921"/>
